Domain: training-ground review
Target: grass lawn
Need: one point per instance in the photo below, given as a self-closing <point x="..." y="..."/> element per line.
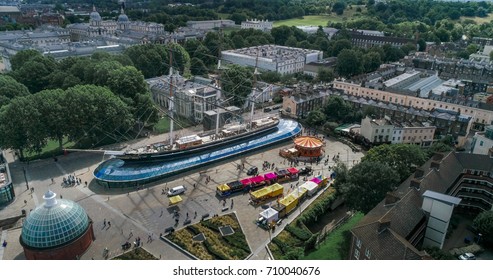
<point x="329" y="249"/>
<point x="223" y="15"/>
<point x="49" y="150"/>
<point x="480" y="20"/>
<point x="162" y="125"/>
<point x="317" y="20"/>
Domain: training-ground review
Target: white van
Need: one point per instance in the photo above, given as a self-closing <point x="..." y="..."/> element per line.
<point x="176" y="191"/>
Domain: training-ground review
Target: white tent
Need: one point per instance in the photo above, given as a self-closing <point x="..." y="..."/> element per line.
<point x="310" y="186"/>
<point x="270" y="215"/>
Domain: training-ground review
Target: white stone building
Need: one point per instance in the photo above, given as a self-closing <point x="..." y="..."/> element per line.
<point x="284" y="60"/>
<point x="263" y="25"/>
<point x="483" y="141"/>
<point x="377" y="131"/>
<point x="191" y="99"/>
<point x="210" y="24"/>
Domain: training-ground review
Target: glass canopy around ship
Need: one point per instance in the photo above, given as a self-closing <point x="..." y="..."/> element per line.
<point x="56" y="222"/>
<point x="119" y="171"/>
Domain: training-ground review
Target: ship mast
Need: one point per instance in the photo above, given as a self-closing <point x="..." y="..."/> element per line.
<point x="218" y="91"/>
<point x="255" y="73"/>
<point x="171" y="99"/>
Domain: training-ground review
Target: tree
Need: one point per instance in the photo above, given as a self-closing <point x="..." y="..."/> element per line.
<point x="197" y="67"/>
<point x="181" y="59"/>
<point x="238" y="17"/>
<point x="336" y="108"/>
<point x="325" y="75"/>
<point x="339" y="7"/>
<point x="371" y="61"/>
<point x="34" y="74"/>
<point x="237" y="83"/>
<point x="402" y="158"/>
<point x="339" y="45"/>
<point x="21" y="57"/>
<point x="349" y="63"/>
<point x="52" y="121"/>
<point x="484" y="224"/>
<point x="281" y="34"/>
<point x="367" y="184"/>
<point x="10" y="89"/>
<point x="316" y="118"/>
<point x="19" y="123"/>
<point x="95" y="113"/>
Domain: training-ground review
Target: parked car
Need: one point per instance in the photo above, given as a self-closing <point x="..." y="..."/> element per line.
<point x="467" y="256"/>
<point x="176" y="191"/>
<point x="305" y="170"/>
<point x="267" y="109"/>
<point x="252" y="171"/>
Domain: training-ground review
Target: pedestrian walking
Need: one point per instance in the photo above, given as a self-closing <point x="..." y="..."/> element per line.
<point x="52" y="181"/>
<point x="104" y="222"/>
<point x="109" y="224"/>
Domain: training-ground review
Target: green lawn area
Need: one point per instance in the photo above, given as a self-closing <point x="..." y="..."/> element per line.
<point x="480" y="20"/>
<point x="329" y="249"/>
<point x="317" y="20"/>
<point x="162" y="125"/>
<point x="223" y="15"/>
<point x="51" y="149"/>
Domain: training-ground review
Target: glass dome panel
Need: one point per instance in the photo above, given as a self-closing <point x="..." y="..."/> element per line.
<point x="53" y="226"/>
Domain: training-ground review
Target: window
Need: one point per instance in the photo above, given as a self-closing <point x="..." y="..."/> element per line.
<point x="398" y="138"/>
<point x="356" y="254"/>
<point x="358" y="243"/>
<point x="393" y="138"/>
<point x="367" y="253"/>
<point x="425" y="137"/>
<point x="388" y="130"/>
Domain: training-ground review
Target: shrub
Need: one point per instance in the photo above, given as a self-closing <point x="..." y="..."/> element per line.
<point x="300" y="233"/>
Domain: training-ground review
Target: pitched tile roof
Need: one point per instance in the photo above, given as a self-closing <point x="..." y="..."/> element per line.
<point x="405" y="215"/>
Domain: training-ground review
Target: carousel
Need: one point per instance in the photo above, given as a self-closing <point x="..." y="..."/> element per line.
<point x="309" y="146"/>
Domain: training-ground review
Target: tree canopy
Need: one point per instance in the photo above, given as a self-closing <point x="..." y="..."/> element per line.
<point x="402" y="158"/>
<point x="366" y="185"/>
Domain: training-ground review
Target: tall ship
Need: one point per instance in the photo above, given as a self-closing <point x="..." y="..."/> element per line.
<point x="228" y="135"/>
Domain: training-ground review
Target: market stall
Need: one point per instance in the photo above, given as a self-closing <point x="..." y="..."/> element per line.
<point x="293" y="172"/>
<point x="263" y="194"/>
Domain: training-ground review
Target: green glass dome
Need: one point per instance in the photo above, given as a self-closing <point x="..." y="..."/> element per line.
<point x="56" y="222"/>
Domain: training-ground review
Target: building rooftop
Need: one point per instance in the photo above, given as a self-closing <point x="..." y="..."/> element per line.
<point x="55" y="223"/>
<point x="387" y="228"/>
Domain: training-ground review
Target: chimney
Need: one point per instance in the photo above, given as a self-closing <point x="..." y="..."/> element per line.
<point x="419" y="173"/>
<point x="382" y="226"/>
<point x="390" y="199"/>
<point x="415" y="184"/>
<point x="435" y="164"/>
<point x="437" y="156"/>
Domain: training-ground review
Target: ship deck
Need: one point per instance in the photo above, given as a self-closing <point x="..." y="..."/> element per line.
<point x="117" y="172"/>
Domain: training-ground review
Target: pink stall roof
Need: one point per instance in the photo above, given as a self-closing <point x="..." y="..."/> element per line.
<point x="293" y="170"/>
<point x="246" y="181"/>
<point x="257" y="179"/>
<point x="270" y="176"/>
<point x="316" y="180"/>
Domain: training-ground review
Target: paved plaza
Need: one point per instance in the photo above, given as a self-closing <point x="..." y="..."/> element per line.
<point x="146" y="211"/>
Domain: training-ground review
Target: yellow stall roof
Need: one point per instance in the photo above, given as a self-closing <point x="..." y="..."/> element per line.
<point x="223" y="188"/>
<point x="293" y="196"/>
<point x="266" y="191"/>
<point x="175" y="199"/>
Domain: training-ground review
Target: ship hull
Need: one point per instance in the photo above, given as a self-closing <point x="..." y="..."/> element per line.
<point x="179" y="154"/>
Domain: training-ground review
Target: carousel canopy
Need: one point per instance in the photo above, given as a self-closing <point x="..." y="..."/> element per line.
<point x="308" y="142"/>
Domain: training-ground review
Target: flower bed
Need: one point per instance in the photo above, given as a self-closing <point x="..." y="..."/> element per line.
<point x="215" y="247"/>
